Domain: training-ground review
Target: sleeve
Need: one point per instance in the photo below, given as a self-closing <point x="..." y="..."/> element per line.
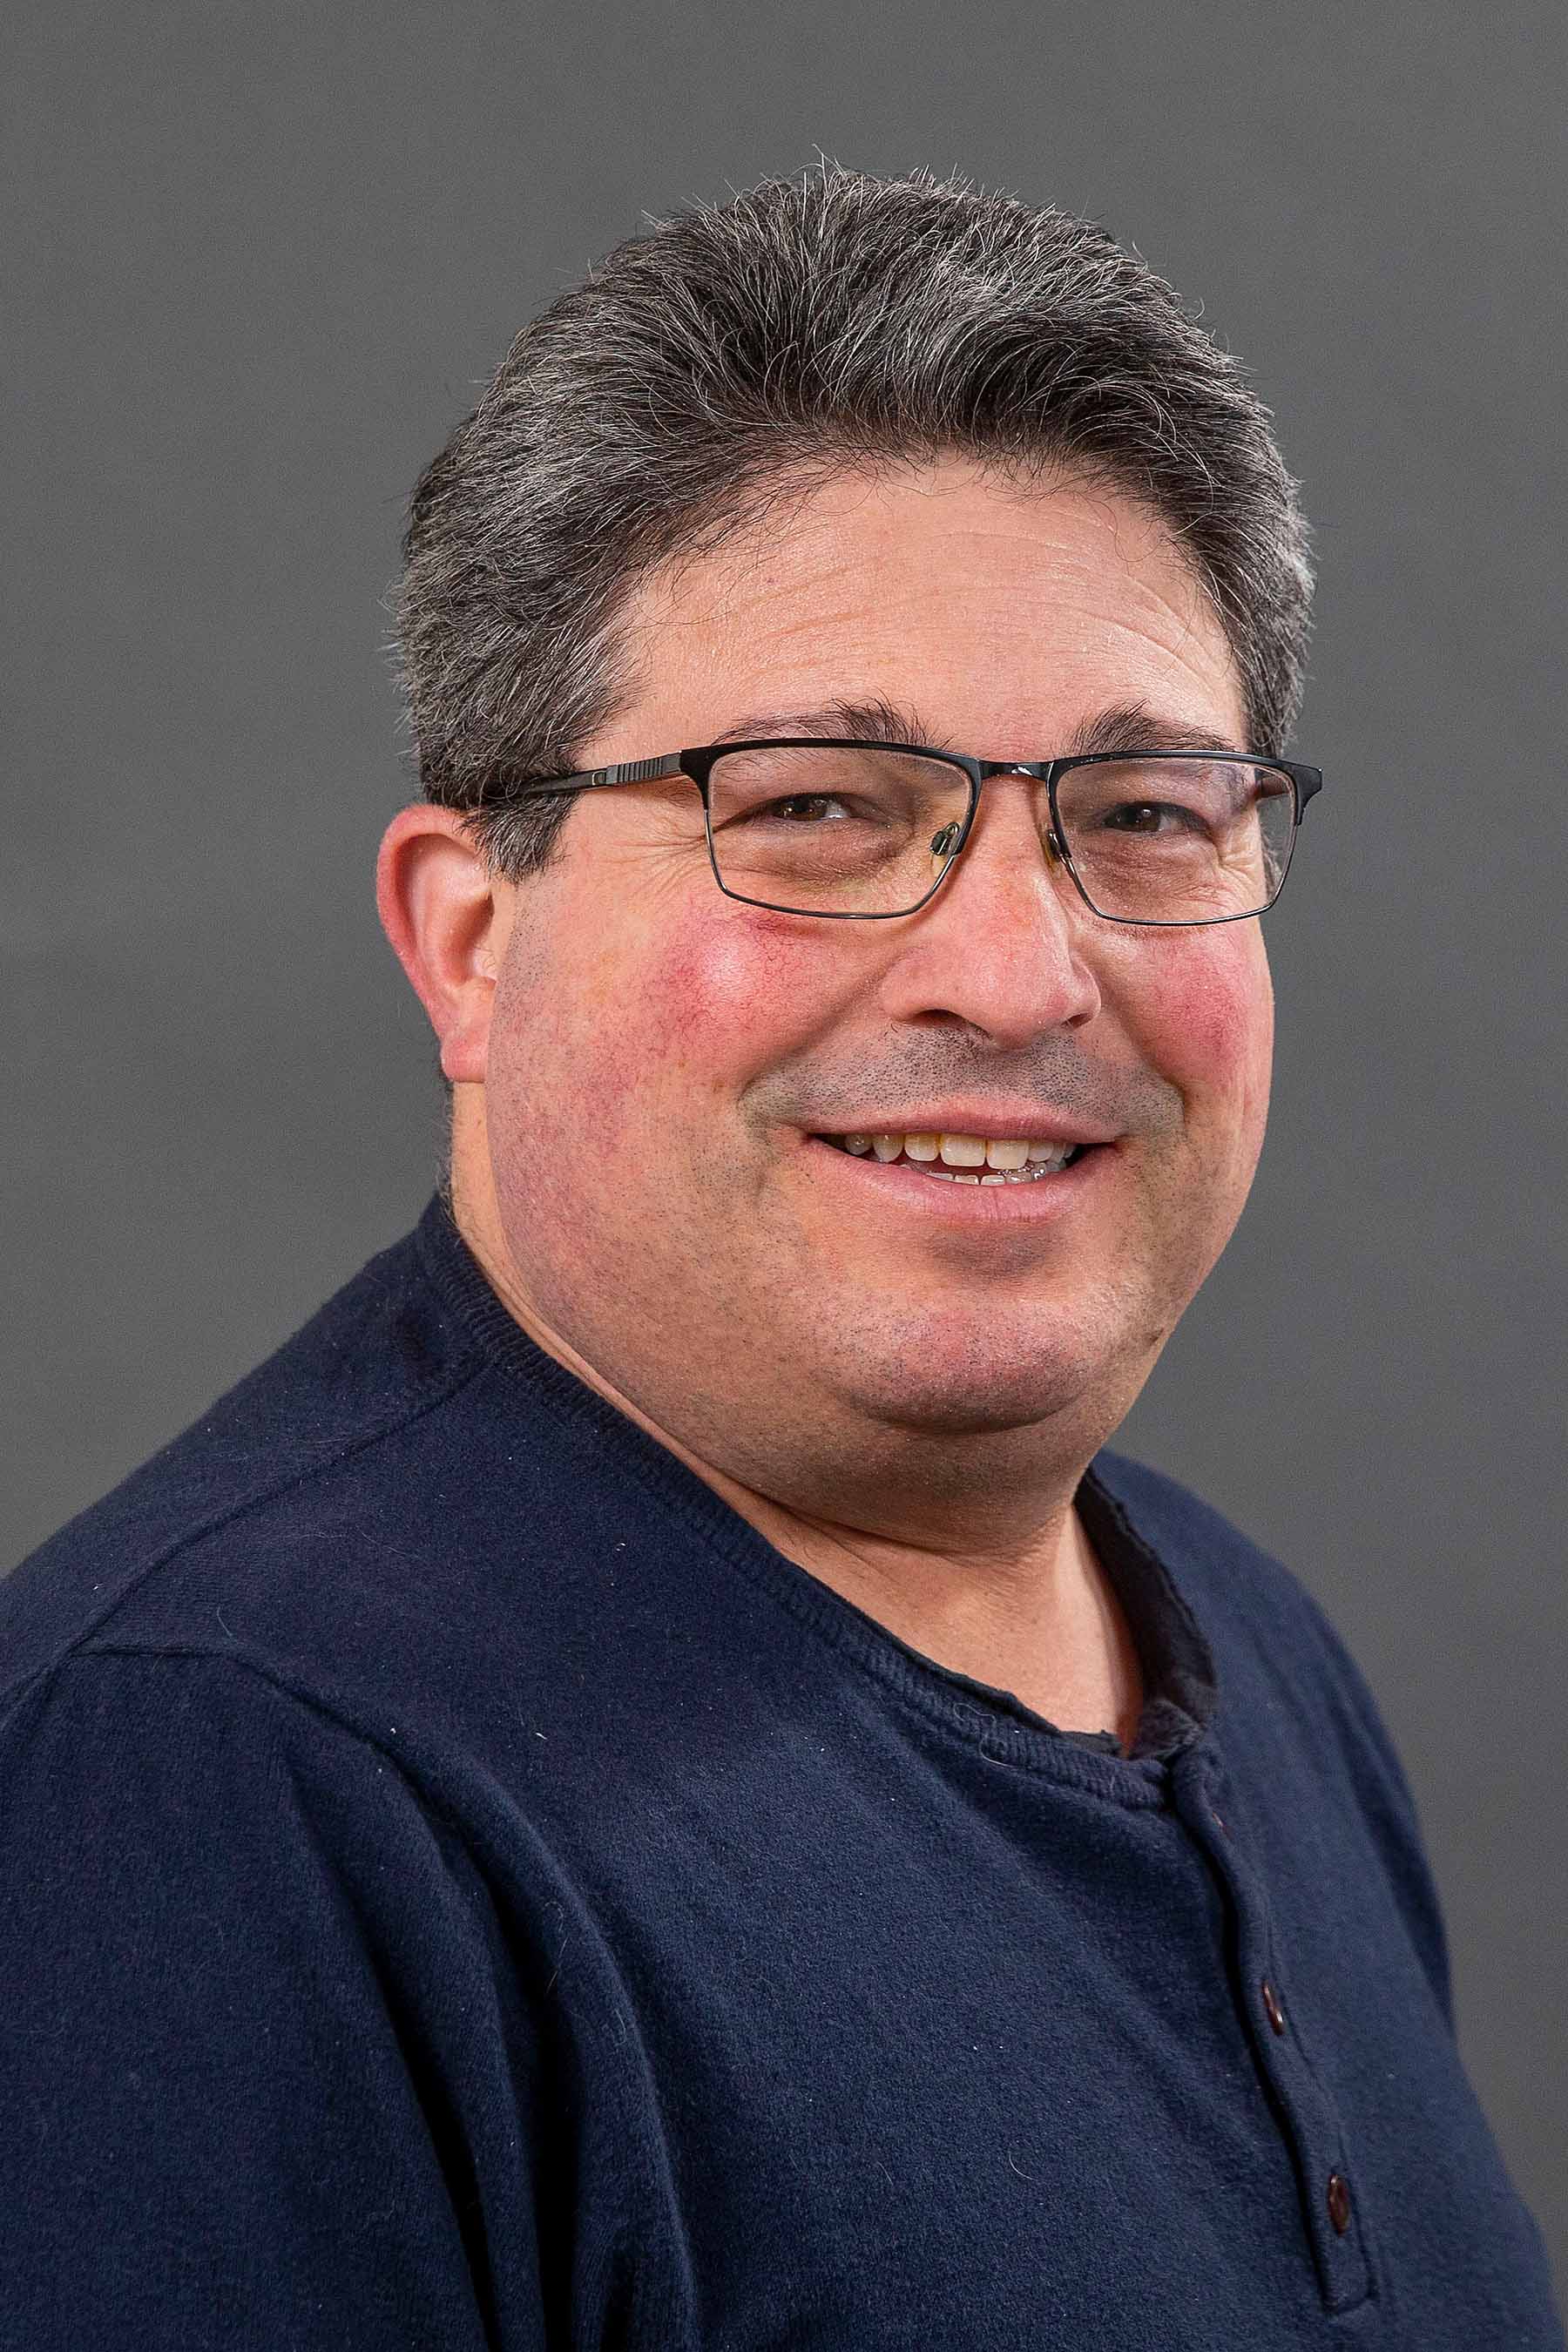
<point x="264" y="2082"/>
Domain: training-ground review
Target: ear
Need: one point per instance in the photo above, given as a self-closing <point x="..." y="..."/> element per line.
<point x="447" y="919"/>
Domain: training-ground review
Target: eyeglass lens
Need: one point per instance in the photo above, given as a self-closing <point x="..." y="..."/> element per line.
<point x="870" y="831"/>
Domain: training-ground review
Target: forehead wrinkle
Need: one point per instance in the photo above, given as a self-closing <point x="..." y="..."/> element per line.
<point x="720" y="623"/>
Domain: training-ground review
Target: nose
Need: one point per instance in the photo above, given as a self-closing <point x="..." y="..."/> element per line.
<point x="1001" y="945"/>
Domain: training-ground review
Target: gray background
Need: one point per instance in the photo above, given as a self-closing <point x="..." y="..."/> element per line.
<point x="267" y="255"/>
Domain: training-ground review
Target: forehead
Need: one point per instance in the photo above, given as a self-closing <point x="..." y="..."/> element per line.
<point x="1010" y="615"/>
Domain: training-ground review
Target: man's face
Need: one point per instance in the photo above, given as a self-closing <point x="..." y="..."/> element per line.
<point x="661" y="1057"/>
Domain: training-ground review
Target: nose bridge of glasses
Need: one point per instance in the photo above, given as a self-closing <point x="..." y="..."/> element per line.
<point x="1036" y="771"/>
<point x="1005" y="870"/>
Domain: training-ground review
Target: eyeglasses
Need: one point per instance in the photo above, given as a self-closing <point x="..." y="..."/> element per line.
<point x="856" y="831"/>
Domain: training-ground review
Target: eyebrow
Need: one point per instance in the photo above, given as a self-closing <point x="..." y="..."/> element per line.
<point x="1134" y="727"/>
<point x="877" y="722"/>
<point x="1122" y="727"/>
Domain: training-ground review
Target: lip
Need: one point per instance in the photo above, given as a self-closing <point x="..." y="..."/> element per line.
<point x="1040" y="1203"/>
<point x="1014" y="1123"/>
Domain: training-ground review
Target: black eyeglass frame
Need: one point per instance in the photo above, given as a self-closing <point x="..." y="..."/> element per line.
<point x="698" y="761"/>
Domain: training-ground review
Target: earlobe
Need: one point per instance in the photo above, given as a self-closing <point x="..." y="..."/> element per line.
<point x="443" y="914"/>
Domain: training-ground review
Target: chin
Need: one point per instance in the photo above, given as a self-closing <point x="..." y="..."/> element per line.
<point x="971" y="1394"/>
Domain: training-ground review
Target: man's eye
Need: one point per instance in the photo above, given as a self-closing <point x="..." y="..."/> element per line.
<point x="1146" y="808"/>
<point x="787" y="811"/>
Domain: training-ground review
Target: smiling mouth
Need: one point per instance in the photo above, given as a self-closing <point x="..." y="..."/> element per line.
<point x="964" y="1159"/>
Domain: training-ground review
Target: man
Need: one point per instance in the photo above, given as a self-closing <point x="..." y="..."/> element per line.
<point x="649" y="1780"/>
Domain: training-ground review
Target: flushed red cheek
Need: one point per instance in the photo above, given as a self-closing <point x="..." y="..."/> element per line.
<point x="1204" y="997"/>
<point x="716" y="1006"/>
<point x="1210" y="1031"/>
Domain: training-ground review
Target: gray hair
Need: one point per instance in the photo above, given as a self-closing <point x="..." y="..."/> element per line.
<point x="744" y="350"/>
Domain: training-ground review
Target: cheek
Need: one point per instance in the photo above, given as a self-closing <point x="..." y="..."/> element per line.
<point x="725" y="1001"/>
<point x="663" y="1030"/>
<point x="1210" y="1029"/>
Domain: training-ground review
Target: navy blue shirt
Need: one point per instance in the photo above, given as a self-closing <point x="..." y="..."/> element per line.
<point x="461" y="1887"/>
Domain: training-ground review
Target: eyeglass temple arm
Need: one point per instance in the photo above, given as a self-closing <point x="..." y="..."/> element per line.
<point x="626" y="772"/>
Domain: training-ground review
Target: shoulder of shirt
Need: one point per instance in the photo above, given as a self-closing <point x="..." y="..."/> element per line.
<point x="406" y="1514"/>
<point x="383" y="1352"/>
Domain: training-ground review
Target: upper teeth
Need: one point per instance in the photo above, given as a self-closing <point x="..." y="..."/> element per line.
<point x="962" y="1150"/>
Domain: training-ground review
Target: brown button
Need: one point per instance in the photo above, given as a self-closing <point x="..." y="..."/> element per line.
<point x="1276" y="2014"/>
<point x="1339" y="2203"/>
